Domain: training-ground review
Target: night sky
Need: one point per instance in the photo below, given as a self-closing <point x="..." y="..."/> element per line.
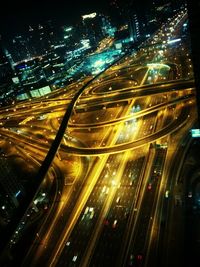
<point x="15" y="16"/>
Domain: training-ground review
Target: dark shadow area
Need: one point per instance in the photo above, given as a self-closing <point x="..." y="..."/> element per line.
<point x="194" y="22"/>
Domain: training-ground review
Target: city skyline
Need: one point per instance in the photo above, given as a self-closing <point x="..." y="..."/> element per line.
<point x="18" y="16"/>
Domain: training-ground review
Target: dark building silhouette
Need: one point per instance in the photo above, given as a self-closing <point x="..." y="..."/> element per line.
<point x="5" y="71"/>
<point x="134" y="28"/>
<point x="194" y="22"/>
<point x="6" y="75"/>
<point x="21" y="49"/>
<point x="11" y="190"/>
<point x="93" y="28"/>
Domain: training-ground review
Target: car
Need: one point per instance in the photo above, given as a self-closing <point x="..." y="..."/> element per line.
<point x="74" y="258"/>
<point x="166" y="193"/>
<point x="114" y="225"/>
<point x="118" y="200"/>
<point x="131" y="260"/>
<point x="106" y="222"/>
<point x="139" y="257"/>
<point x="149" y="186"/>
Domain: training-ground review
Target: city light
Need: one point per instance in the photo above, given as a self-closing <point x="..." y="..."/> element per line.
<point x="98" y="63"/>
<point x="174" y="41"/>
<point x="68" y="29"/>
<point x="195" y="133"/>
<point x="17" y="194"/>
<point x="89" y="16"/>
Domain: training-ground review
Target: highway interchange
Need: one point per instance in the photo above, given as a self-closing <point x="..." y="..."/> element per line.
<point x="113" y="168"/>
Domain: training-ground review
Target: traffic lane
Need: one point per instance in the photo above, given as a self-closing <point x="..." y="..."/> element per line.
<point x="115" y="223"/>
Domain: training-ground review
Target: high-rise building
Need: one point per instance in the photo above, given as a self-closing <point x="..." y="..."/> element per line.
<point x="52" y="64"/>
<point x="29" y="72"/>
<point x="21" y="49"/>
<point x="68" y="33"/>
<point x="36" y="41"/>
<point x="134" y="28"/>
<point x="6" y="72"/>
<point x="43" y="38"/>
<point x="92" y="28"/>
<point x="107" y="28"/>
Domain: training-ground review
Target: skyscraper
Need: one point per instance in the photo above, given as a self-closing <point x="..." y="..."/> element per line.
<point x="134" y="27"/>
<point x="21" y="49"/>
<point x="92" y="28"/>
<point x="5" y="72"/>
